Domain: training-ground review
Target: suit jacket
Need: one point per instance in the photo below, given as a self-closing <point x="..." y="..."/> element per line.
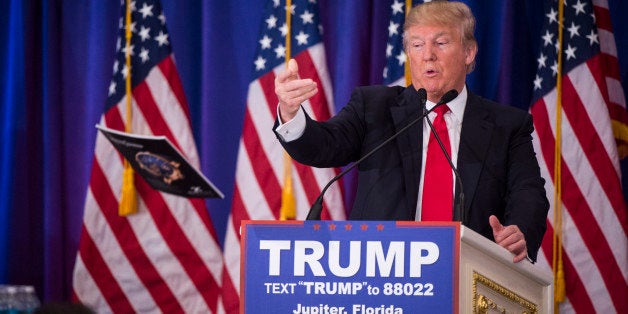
<point x="496" y="161"/>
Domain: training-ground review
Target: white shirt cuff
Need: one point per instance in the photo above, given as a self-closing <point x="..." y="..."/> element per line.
<point x="293" y="129"/>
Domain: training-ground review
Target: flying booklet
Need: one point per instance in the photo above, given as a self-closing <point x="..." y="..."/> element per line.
<point x="161" y="164"/>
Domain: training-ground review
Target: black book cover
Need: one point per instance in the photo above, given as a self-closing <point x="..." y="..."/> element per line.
<point x="161" y="164"/>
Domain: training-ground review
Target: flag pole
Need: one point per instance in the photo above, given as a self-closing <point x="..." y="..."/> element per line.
<point x="128" y="197"/>
<point x="406" y="65"/>
<point x="288" y="203"/>
<point x="557" y="248"/>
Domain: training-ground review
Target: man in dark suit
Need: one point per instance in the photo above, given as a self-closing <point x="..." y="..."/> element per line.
<point x="491" y="144"/>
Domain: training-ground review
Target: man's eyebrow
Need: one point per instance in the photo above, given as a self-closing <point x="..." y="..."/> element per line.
<point x="442" y="33"/>
<point x="436" y="36"/>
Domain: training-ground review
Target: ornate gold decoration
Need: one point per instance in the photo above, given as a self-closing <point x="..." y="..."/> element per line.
<point x="482" y="304"/>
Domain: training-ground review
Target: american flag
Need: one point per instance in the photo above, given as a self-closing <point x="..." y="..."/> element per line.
<point x="594" y="221"/>
<point x="394" y="71"/>
<point x="259" y="173"/>
<point x="164" y="258"/>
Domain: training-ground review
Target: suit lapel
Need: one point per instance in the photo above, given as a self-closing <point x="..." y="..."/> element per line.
<point x="475" y="136"/>
<point x="409" y="143"/>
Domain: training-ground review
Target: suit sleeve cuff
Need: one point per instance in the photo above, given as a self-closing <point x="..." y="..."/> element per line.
<point x="293" y="129"/>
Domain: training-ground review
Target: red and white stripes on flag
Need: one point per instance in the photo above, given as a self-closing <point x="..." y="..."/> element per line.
<point x="165" y="258"/>
<point x="259" y="173"/>
<point x="594" y="213"/>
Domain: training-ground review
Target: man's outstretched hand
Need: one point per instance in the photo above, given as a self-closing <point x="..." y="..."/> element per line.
<point x="291" y="90"/>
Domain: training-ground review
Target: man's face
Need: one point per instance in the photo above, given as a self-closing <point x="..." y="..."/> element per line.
<point x="438" y="59"/>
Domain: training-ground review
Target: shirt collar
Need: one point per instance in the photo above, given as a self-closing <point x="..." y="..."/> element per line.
<point x="456" y="106"/>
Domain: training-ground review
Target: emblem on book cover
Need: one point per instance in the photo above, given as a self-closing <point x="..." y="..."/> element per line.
<point x="160" y="167"/>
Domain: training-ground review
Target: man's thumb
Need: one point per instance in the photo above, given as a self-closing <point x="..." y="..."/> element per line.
<point x="293" y="67"/>
<point x="495" y="224"/>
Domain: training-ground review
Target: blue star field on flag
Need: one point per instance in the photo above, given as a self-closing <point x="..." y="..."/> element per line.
<point x="580" y="42"/>
<point x="395" y="56"/>
<point x="306" y="32"/>
<point x="150" y="44"/>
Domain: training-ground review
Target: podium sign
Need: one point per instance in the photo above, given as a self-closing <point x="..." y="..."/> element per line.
<point x="349" y="267"/>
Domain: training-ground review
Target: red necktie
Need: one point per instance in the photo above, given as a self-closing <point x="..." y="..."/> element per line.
<point x="437" y="204"/>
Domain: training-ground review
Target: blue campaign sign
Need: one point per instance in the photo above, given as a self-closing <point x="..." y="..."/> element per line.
<point x="349" y="267"/>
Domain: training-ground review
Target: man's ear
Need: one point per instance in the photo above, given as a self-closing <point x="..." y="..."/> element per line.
<point x="470" y="52"/>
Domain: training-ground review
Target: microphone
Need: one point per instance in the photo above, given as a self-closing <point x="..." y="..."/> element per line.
<point x="459" y="207"/>
<point x="317" y="207"/>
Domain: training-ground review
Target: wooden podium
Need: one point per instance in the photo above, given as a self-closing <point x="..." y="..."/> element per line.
<point x="362" y="267"/>
<point x="491" y="283"/>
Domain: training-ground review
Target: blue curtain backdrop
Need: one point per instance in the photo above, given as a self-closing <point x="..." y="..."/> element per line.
<point x="57" y="60"/>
